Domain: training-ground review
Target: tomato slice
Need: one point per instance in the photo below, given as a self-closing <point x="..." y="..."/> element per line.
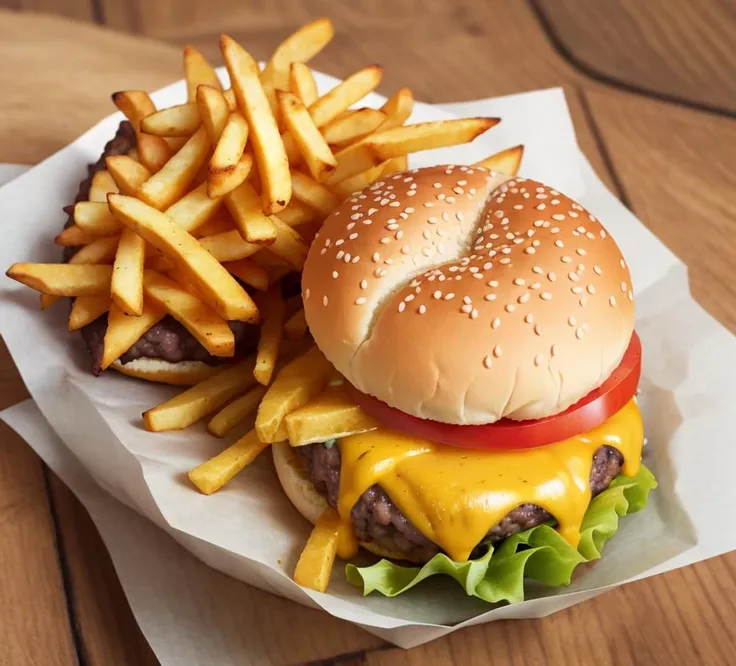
<point x="588" y="413"/>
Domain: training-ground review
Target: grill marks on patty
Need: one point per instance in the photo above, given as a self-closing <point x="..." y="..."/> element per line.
<point x="377" y="519"/>
<point x="168" y="339"/>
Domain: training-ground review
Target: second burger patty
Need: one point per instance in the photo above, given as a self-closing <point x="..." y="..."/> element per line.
<point x="168" y="339"/>
<point x="377" y="519"/>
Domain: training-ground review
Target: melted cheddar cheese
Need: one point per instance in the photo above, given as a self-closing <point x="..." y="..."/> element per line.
<point x="455" y="496"/>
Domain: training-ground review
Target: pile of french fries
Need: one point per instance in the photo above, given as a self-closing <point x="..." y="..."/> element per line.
<point x="227" y="190"/>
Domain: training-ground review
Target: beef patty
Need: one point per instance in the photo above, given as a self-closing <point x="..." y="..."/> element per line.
<point x="168" y="339"/>
<point x="377" y="519"/>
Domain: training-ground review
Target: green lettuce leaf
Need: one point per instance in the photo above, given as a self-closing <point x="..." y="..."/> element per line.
<point x="539" y="553"/>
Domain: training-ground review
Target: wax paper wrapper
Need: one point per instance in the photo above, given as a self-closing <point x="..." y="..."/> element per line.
<point x="251" y="532"/>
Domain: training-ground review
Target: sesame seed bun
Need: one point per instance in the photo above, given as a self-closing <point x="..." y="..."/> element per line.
<point x="304" y="496"/>
<point x="184" y="373"/>
<point x="456" y="294"/>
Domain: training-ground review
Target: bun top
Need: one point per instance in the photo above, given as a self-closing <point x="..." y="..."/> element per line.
<point x="456" y="294"/>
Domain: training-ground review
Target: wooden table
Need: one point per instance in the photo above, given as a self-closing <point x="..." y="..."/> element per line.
<point x="652" y="89"/>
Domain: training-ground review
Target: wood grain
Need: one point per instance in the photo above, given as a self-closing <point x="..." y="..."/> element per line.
<point x="683" y="50"/>
<point x="77" y="9"/>
<point x="35" y="627"/>
<point x="672" y="165"/>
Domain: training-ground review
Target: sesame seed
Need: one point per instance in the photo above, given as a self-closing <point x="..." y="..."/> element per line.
<point x="379" y="272"/>
<point x="437" y="295"/>
<point x="535" y="285"/>
<point x="541" y="196"/>
<point x="583" y="300"/>
<point x="603" y="233"/>
<point x="495" y="323"/>
<point x="437" y="186"/>
<point x="597" y="270"/>
<point x="624" y="286"/>
<point x="394" y="204"/>
<point x="537" y="329"/>
<point x="467" y="300"/>
<point x="492" y="283"/>
<point x="580" y="229"/>
<point x="405" y="250"/>
<point x="538" y="270"/>
<point x="577" y="290"/>
<point x="399" y="234"/>
<point x="307" y="294"/>
<point x="402" y="306"/>
<point x="551" y="276"/>
<point x="622" y="263"/>
<point x="487" y="361"/>
<point x="504" y="260"/>
<point x="572" y="321"/>
<point x="630" y="295"/>
<point x="340" y="255"/>
<point x="409" y="297"/>
<point x="428" y="204"/>
<point x="364" y="284"/>
<point x="352" y="236"/>
<point x="523" y="298"/>
<point x="422" y="309"/>
<point x="565" y="259"/>
<point x="519" y="282"/>
<point x="339" y="242"/>
<point x="612" y="301"/>
<point x="573" y="276"/>
<point x="431" y="220"/>
<point x="540" y="206"/>
<point x="467" y="309"/>
<point x="510" y="307"/>
<point x="545" y="296"/>
<point x="359" y="301"/>
<point x="581" y="251"/>
<point x="579" y="333"/>
<point x="356" y="216"/>
<point x="558" y="216"/>
<point x="449" y="296"/>
<point x="474" y="314"/>
<point x="538" y="359"/>
<point x="538" y="223"/>
<point x="591" y="289"/>
<point x="497" y="351"/>
<point x="385" y="240"/>
<point x="325" y="300"/>
<point x="335" y="274"/>
<point x="489" y="297"/>
<point x="529" y="250"/>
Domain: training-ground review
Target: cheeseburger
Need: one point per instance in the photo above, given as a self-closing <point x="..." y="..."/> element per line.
<point x="485" y="328"/>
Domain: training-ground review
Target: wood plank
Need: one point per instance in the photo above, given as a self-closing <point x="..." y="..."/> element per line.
<point x="652" y="622"/>
<point x="673" y="167"/>
<point x="77" y="9"/>
<point x="684" y="50"/>
<point x="35" y="626"/>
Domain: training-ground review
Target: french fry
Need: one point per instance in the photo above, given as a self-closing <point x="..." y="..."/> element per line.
<point x="220" y="222"/>
<point x="300" y="46"/>
<point x="268" y="148"/>
<point x="46" y="300"/>
<point x="171" y="182"/>
<point x="296" y="213"/>
<point x="397" y="108"/>
<point x="128" y="174"/>
<point x="313" y="194"/>
<point x="330" y="415"/>
<point x="230" y="415"/>
<point x="63" y="279"/>
<point x="202" y="399"/>
<point x="123" y="331"/>
<point x="198" y="72"/>
<point x="275" y="267"/>
<point x="289" y="245"/>
<point x="345" y="94"/>
<point x="296" y="326"/>
<point x="507" y="161"/>
<point x="159" y="263"/>
<point x="136" y="105"/>
<point x="352" y="126"/>
<point x="194" y="209"/>
<point x="175" y="143"/>
<point x="302" y="83"/>
<point x="182" y="120"/>
<point x="99" y="251"/>
<point x="223" y="182"/>
<point x="312" y="146"/>
<point x="102" y="184"/>
<point x="153" y="151"/>
<point x="214" y="111"/>
<point x="212" y="475"/>
<point x="95" y="218"/>
<point x="395" y="165"/>
<point x="228" y="246"/>
<point x="353" y="160"/>
<point x="245" y="207"/>
<point x="217" y="286"/>
<point x="228" y="155"/>
<point x="272" y="308"/>
<point x="296" y="384"/>
<point x="133" y="154"/>
<point x="127" y="274"/>
<point x="359" y="181"/>
<point x="73" y="236"/>
<point x="318" y="557"/>
<point x="248" y="272"/>
<point x="86" y="309"/>
<point x="203" y="323"/>
<point x="407" y="139"/>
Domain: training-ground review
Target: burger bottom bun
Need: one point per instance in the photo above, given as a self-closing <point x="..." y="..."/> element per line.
<point x="184" y="373"/>
<point x="304" y="496"/>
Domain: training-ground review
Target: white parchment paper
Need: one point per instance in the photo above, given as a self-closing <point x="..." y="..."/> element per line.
<point x="251" y="532"/>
